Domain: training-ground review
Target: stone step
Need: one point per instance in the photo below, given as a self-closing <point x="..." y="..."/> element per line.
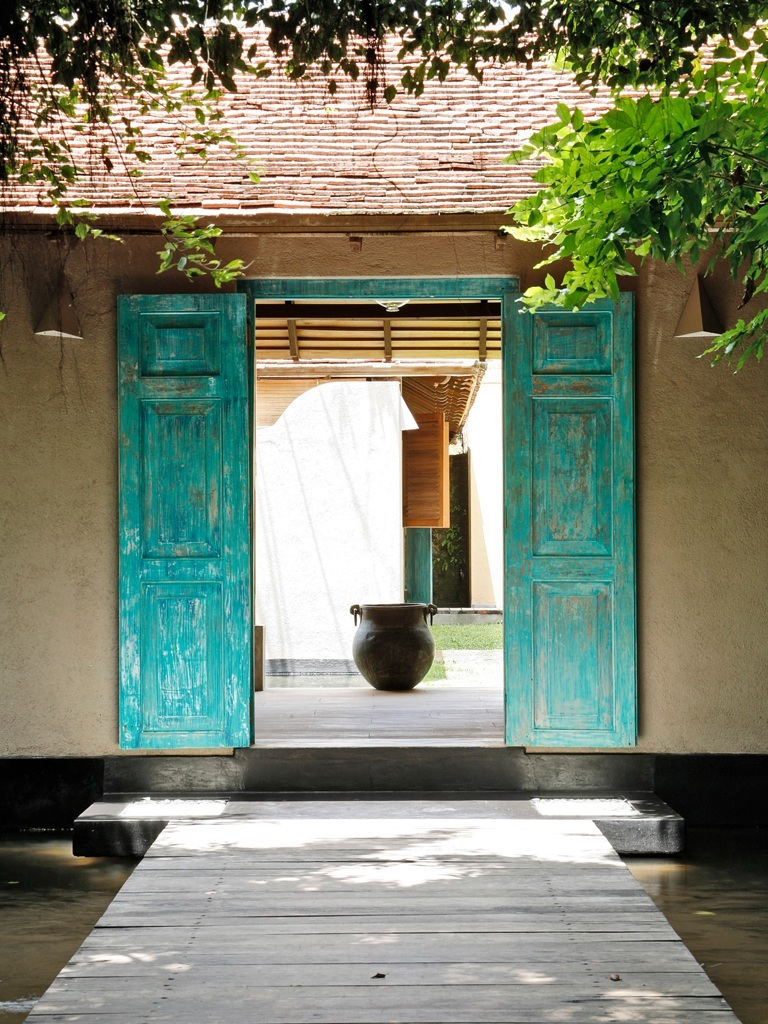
<point x="127" y="824"/>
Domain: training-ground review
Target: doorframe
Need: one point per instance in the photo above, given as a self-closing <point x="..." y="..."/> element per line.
<point x="505" y="290"/>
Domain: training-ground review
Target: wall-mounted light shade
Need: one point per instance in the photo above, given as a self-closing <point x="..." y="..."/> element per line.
<point x="60" y="317"/>
<point x="699" y="319"/>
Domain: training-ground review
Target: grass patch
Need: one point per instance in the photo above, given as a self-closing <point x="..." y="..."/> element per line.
<point x="487" y="636"/>
<point x="437" y="671"/>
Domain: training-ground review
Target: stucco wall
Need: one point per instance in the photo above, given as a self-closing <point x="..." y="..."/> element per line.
<point x="329" y="516"/>
<point x="483" y="436"/>
<point x="702" y="490"/>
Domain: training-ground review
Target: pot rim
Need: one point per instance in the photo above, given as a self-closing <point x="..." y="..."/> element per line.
<point x="398" y="604"/>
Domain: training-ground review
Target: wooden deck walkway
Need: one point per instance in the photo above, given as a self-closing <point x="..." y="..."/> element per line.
<point x="373" y="912"/>
<point x="362" y="716"/>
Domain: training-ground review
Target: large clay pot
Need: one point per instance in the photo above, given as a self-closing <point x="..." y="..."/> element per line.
<point x="393" y="646"/>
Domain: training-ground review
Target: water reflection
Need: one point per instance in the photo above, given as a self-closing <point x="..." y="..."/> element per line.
<point x="716" y="899"/>
<point x="49" y="902"/>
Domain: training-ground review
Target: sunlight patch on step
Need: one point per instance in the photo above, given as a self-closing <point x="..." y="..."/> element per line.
<point x="150" y="808"/>
<point x="564" y="807"/>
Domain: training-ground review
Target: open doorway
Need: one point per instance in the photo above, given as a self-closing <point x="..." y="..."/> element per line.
<point x="336" y="383"/>
<point x="569" y="546"/>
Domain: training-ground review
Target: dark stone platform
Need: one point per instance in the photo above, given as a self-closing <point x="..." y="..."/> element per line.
<point x="403" y="769"/>
<point x="127" y="824"/>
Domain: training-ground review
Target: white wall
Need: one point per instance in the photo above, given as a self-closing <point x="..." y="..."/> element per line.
<point x="328" y="516"/>
<point x="483" y="435"/>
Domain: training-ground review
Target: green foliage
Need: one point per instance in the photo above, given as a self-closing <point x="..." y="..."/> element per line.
<point x="449" y="545"/>
<point x="663" y="174"/>
<point x="669" y="175"/>
<point x="83" y="76"/>
<point x="189" y="247"/>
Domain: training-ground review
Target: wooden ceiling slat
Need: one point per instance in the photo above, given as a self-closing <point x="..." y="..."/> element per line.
<point x="373" y="327"/>
<point x="466" y="310"/>
<point x="435" y="353"/>
<point x="417" y="327"/>
<point x="375" y="337"/>
<point x="274" y="355"/>
<point x="323" y="354"/>
<point x="373" y="344"/>
<point x="284" y="369"/>
<point x="332" y="325"/>
<point x="367" y="340"/>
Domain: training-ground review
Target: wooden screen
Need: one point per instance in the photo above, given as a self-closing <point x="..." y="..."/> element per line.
<point x="425" y="472"/>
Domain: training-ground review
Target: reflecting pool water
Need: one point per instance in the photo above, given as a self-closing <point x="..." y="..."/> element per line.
<point x="716" y="899"/>
<point x="49" y="902"/>
<point x="715" y="896"/>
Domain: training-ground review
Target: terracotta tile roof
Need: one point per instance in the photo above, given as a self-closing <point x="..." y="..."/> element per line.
<point x="331" y="155"/>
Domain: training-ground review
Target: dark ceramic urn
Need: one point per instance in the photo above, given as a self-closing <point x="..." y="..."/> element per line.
<point x="393" y="647"/>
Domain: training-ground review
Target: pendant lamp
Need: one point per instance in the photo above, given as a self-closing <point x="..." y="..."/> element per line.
<point x="60" y="317"/>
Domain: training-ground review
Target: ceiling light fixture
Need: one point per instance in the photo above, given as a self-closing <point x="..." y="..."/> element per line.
<point x="392" y="305"/>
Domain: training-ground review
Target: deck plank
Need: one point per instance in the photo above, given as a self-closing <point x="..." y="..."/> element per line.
<point x="373" y="919"/>
<point x="353" y="716"/>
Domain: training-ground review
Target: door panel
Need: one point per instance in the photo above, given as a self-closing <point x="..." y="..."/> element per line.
<point x="185" y="664"/>
<point x="570" y="559"/>
<point x="573" y="654"/>
<point x="572" y="477"/>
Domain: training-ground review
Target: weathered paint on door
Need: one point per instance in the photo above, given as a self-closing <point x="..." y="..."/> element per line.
<point x="569" y="508"/>
<point x="185" y="617"/>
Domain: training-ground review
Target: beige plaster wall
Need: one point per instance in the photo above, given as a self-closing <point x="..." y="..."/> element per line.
<point x="702" y="534"/>
<point x="702" y="491"/>
<point x="483" y="436"/>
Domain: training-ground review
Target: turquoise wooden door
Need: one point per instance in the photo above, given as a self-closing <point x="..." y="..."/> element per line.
<point x="185" y="619"/>
<point x="569" y="508"/>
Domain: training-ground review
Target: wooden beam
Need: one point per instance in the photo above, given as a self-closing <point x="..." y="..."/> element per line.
<point x="388" y="340"/>
<point x="482" y="345"/>
<point x="372" y="311"/>
<point x="293" y="340"/>
<point x="282" y="368"/>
